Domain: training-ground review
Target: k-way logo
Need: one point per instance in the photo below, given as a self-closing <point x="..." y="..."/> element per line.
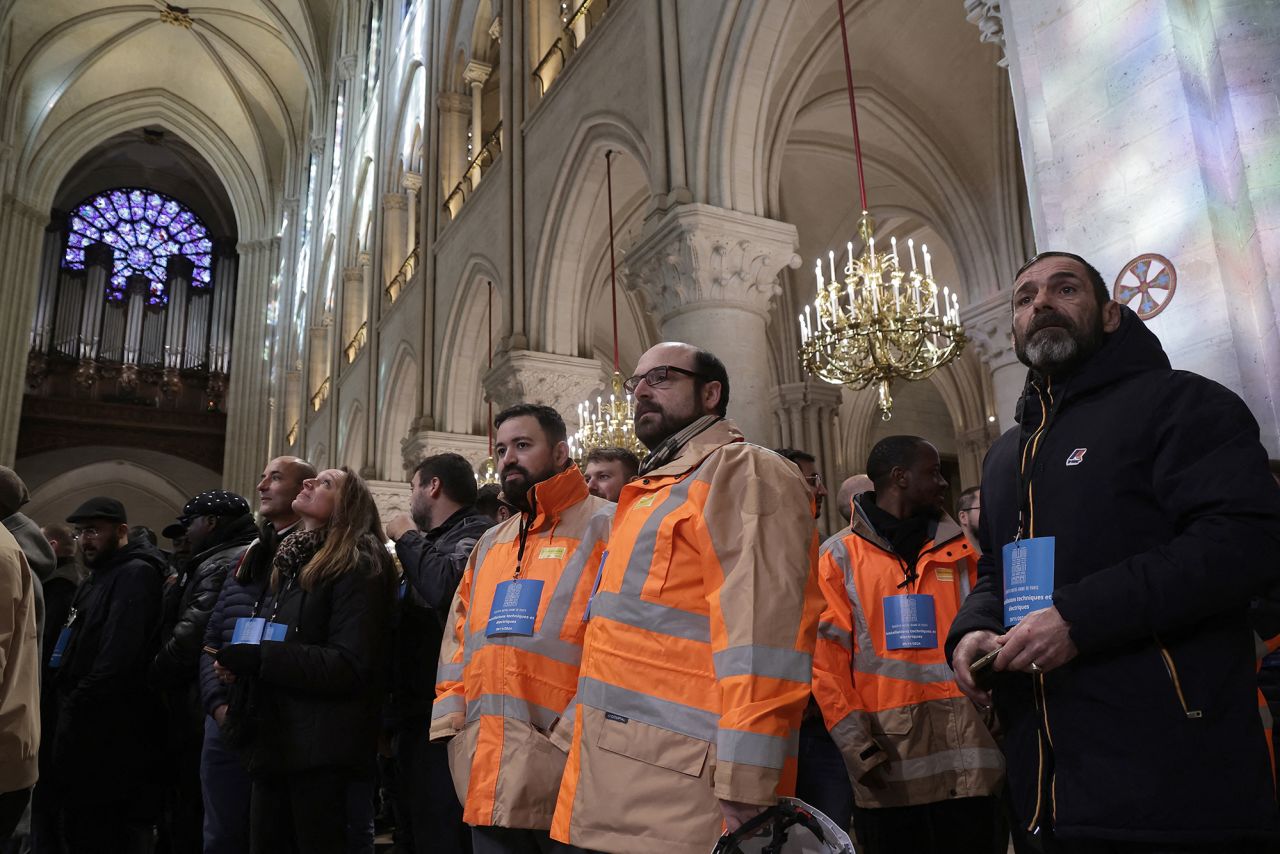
<point x="1077" y="456"/>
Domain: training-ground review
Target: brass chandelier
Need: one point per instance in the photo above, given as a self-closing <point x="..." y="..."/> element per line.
<point x="872" y="320"/>
<point x="609" y="423"/>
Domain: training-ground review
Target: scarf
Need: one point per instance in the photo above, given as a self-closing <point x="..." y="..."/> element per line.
<point x="294" y="552"/>
<point x="669" y="448"/>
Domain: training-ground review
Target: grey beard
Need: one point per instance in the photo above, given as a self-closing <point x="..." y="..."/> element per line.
<point x="1050" y="349"/>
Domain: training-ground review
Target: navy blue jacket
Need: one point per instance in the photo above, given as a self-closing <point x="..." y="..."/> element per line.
<point x="235" y="600"/>
<point x="1167" y="523"/>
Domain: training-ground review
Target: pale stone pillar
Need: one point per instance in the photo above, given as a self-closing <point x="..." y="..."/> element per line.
<point x="395" y="231"/>
<point x="561" y="382"/>
<point x="454" y="109"/>
<point x="1160" y="137"/>
<point x="352" y="305"/>
<point x="21" y="239"/>
<point x="475" y="75"/>
<point x="710" y="276"/>
<point x="249" y="389"/>
<point x="989" y="325"/>
<point x="412" y="183"/>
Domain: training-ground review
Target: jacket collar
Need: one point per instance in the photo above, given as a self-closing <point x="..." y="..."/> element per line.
<point x="941" y="530"/>
<point x="723" y="432"/>
<point x="556" y="494"/>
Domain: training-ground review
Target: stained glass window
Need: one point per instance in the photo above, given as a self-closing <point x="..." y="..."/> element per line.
<point x="144" y="229"/>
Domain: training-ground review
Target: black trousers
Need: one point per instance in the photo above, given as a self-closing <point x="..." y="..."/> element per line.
<point x="426" y="804"/>
<point x="960" y="826"/>
<point x="1053" y="845"/>
<point x="508" y="840"/>
<point x="303" y="813"/>
<point x="104" y="829"/>
<point x="12" y="805"/>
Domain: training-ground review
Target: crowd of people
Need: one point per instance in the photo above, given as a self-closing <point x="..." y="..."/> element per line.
<point x="621" y="655"/>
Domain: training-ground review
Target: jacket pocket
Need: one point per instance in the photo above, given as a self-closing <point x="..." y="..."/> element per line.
<point x="654" y="746"/>
<point x="892" y="722"/>
<point x="461" y="749"/>
<point x="1192" y="711"/>
<point x="529" y="779"/>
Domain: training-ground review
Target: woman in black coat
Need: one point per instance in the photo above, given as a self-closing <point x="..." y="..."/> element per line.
<point x="317" y="686"/>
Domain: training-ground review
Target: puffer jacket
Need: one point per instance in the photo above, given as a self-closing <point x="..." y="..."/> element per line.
<point x="319" y="691"/>
<point x="197" y="590"/>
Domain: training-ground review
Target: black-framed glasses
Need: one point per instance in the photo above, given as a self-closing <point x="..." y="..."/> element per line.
<point x="657" y="377"/>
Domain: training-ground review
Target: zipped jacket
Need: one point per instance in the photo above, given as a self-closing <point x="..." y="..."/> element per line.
<point x="699" y="652"/>
<point x="1167" y="523"/>
<point x="907" y="734"/>
<point x="19" y="669"/>
<point x="499" y="698"/>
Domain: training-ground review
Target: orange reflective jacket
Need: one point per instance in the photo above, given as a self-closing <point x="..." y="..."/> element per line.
<point x="907" y="734"/>
<point x="498" y="698"/>
<point x="698" y="655"/>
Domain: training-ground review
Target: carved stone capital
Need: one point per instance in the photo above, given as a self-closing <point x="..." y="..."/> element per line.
<point x="987" y="17"/>
<point x="394" y="202"/>
<point x="411" y="181"/>
<point x="352" y="275"/>
<point x="989" y="326"/>
<point x="476" y="73"/>
<point x="811" y="394"/>
<point x="697" y="255"/>
<point x="317" y="145"/>
<point x="391" y="497"/>
<point x="364" y="259"/>
<point x="495" y="28"/>
<point x="347" y="66"/>
<point x="421" y="444"/>
<point x="526" y="376"/>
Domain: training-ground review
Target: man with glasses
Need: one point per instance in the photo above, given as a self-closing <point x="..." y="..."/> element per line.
<point x="108" y="717"/>
<point x="969" y="513"/>
<point x="698" y="653"/>
<point x="808" y="465"/>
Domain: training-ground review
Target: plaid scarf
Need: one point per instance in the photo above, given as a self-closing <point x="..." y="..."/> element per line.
<point x="669" y="448"/>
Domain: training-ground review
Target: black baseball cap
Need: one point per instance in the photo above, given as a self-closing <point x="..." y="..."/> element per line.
<point x="215" y="502"/>
<point x="174" y="530"/>
<point x="100" y="508"/>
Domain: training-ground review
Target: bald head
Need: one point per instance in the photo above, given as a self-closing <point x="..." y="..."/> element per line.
<point x="854" y="485"/>
<point x="281" y="482"/>
<point x="677" y="384"/>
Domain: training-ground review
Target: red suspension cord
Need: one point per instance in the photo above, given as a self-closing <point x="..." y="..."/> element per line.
<point x="490" y="321"/>
<point x="613" y="265"/>
<point x="853" y="110"/>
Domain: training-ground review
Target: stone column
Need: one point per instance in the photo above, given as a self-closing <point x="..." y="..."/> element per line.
<point x="1160" y="138"/>
<point x="412" y="183"/>
<point x="453" y="134"/>
<point x="475" y="74"/>
<point x="806" y="416"/>
<point x="561" y="382"/>
<point x="249" y="389"/>
<point x="21" y="228"/>
<point x="395" y="231"/>
<point x="352" y="306"/>
<point x="710" y="276"/>
<point x="989" y="325"/>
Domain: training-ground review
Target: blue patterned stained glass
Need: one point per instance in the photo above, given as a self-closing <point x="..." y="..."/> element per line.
<point x="144" y="229"/>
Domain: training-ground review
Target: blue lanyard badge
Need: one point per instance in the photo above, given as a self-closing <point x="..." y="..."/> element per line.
<point x="515" y="608"/>
<point x="910" y="622"/>
<point x="248" y="630"/>
<point x="1028" y="578"/>
<point x="64" y="638"/>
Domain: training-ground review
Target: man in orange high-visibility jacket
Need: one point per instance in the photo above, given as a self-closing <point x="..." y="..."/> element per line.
<point x="923" y="764"/>
<point x="698" y="655"/>
<point x="509" y="664"/>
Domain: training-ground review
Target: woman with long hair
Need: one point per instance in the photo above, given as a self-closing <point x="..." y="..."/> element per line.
<point x="314" y="649"/>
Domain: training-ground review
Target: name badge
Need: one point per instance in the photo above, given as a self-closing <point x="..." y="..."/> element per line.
<point x="248" y="630"/>
<point x="274" y="632"/>
<point x="910" y="622"/>
<point x="1028" y="578"/>
<point x="515" y="608"/>
<point x="64" y="637"/>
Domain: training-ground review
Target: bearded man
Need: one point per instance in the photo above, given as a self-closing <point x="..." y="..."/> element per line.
<point x="1127" y="523"/>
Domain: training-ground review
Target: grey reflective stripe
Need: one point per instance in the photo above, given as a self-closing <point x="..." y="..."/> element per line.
<point x="640" y="561"/>
<point x="651" y="616"/>
<point x="750" y="748"/>
<point x="865" y="659"/>
<point x="504" y="706"/>
<point x="677" y="717"/>
<point x="447" y="706"/>
<point x="767" y="661"/>
<point x="449" y="673"/>
<point x="849" y="735"/>
<point x="832" y="632"/>
<point x="960" y="759"/>
<point x="596" y="530"/>
<point x="549" y="647"/>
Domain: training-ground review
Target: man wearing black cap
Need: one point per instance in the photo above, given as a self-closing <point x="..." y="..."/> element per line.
<point x="219" y="528"/>
<point x="105" y="743"/>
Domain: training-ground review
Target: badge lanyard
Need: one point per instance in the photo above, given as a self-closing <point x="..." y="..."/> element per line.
<point x="514" y="610"/>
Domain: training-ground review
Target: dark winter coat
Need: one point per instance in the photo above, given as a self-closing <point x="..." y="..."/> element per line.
<point x="433" y="563"/>
<point x="319" y="692"/>
<point x="1167" y="523"/>
<point x="108" y="717"/>
<point x="196" y="591"/>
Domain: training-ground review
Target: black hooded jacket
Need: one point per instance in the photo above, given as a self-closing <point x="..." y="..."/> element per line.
<point x="1167" y="522"/>
<point x="108" y="718"/>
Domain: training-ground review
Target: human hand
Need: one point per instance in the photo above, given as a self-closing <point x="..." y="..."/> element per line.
<point x="225" y="676"/>
<point x="400" y="524"/>
<point x="737" y="813"/>
<point x="1038" y="644"/>
<point x="973" y="646"/>
<point x="220" y="714"/>
<point x="244" y="659"/>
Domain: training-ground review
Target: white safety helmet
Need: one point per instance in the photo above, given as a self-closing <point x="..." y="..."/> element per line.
<point x="790" y="827"/>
